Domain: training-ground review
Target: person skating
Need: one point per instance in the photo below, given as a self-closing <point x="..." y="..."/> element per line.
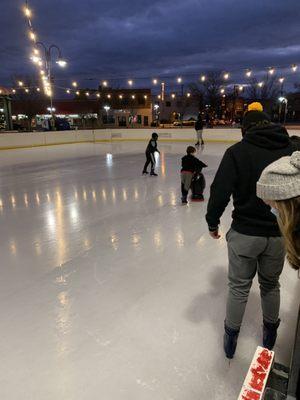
<point x="254" y="241"/>
<point x="199" y="131"/>
<point x="150" y="155"/>
<point x="189" y="166"/>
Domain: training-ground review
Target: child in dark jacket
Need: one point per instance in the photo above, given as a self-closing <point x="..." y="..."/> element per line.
<point x="150" y="158"/>
<point x="190" y="166"/>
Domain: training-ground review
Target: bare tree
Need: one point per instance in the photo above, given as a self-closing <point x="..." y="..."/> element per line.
<point x="267" y="93"/>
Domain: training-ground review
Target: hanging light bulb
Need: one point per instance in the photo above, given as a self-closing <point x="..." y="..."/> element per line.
<point x="32" y="36"/>
<point x="241" y="88"/>
<point x="74" y="84"/>
<point x="109" y="96"/>
<point x="226" y="76"/>
<point x="203" y="78"/>
<point x="145" y="97"/>
<point x="281" y="80"/>
<point x="133" y="96"/>
<point x="294" y="67"/>
<point x="14" y="91"/>
<point x="98" y="94"/>
<point x="260" y="84"/>
<point x="155" y="81"/>
<point x="188" y="95"/>
<point x="179" y="80"/>
<point x="20" y="83"/>
<point x="248" y="73"/>
<point x="173" y="95"/>
<point x="222" y="90"/>
<point x="77" y="93"/>
<point x="68" y="91"/>
<point x="130" y="82"/>
<point x="159" y="96"/>
<point x="87" y="94"/>
<point x="105" y="83"/>
<point x="27" y="90"/>
<point x="36" y="52"/>
<point x="120" y="96"/>
<point x="38" y="89"/>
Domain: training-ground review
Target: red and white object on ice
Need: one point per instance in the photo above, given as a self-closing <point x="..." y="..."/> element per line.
<point x="257" y="376"/>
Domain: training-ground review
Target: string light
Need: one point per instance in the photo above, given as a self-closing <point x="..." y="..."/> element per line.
<point x="32" y="36"/>
<point x="173" y="95"/>
<point x="27" y="12"/>
<point x="179" y="80"/>
<point x="14" y="91"/>
<point x="145" y="96"/>
<point x="241" y="88"/>
<point x="109" y="96"/>
<point x="38" y="89"/>
<point x="260" y="84"/>
<point x="77" y="93"/>
<point x="42" y="72"/>
<point x="271" y="70"/>
<point x="98" y="94"/>
<point x="105" y="83"/>
<point x="87" y="93"/>
<point x="20" y="83"/>
<point x="130" y="82"/>
<point x="36" y="52"/>
<point x="74" y="84"/>
<point x="68" y="91"/>
<point x="159" y="96"/>
<point x="248" y="73"/>
<point x="133" y="96"/>
<point x="27" y="90"/>
<point x="226" y="76"/>
<point x="222" y="90"/>
<point x="294" y="67"/>
<point x="188" y="95"/>
<point x="120" y="96"/>
<point x="155" y="81"/>
<point x="203" y="78"/>
<point x="281" y="80"/>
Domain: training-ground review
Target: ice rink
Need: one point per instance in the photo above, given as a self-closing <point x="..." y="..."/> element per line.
<point x="111" y="289"/>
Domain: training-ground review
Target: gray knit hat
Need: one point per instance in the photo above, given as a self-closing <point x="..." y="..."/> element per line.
<point x="281" y="179"/>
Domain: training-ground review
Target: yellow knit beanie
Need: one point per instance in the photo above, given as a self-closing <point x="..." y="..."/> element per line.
<point x="255" y="106"/>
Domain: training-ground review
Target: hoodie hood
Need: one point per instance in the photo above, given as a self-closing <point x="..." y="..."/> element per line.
<point x="271" y="136"/>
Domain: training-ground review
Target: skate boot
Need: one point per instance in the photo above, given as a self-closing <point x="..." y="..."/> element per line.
<point x="197" y="144"/>
<point x="145" y="173"/>
<point x="230" y="341"/>
<point x="184" y="200"/>
<point x="152" y="173"/>
<point x="270" y="334"/>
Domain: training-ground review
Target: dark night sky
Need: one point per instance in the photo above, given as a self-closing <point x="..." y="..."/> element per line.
<point x="112" y="38"/>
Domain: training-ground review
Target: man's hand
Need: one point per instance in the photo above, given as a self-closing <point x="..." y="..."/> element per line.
<point x="215" y="234"/>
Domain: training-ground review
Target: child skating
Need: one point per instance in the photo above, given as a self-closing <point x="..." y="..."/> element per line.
<point x="190" y="168"/>
<point x="150" y="155"/>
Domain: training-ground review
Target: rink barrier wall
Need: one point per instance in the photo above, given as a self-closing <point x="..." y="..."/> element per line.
<point x="16" y="140"/>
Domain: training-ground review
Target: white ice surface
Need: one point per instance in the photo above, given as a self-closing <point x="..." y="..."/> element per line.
<point x="110" y="289"/>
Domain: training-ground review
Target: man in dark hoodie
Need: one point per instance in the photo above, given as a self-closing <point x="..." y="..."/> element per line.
<point x="254" y="241"/>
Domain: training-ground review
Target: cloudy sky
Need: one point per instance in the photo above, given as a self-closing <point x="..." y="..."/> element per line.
<point x="141" y="38"/>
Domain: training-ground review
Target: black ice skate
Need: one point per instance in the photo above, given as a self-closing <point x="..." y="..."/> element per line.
<point x="184" y="201"/>
<point x="230" y="341"/>
<point x="145" y="173"/>
<point x="270" y="334"/>
<point x="153" y="173"/>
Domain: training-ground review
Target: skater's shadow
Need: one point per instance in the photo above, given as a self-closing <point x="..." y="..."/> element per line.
<point x="210" y="304"/>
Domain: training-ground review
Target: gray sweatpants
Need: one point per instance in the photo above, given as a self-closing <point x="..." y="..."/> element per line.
<point x="248" y="255"/>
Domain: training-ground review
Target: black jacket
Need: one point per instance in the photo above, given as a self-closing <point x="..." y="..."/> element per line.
<point x="152" y="146"/>
<point x="192" y="164"/>
<point x="240" y="169"/>
<point x="199" y="125"/>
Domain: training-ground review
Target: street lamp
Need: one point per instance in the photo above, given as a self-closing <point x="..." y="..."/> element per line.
<point x="106" y="108"/>
<point x="283" y="100"/>
<point x="48" y="64"/>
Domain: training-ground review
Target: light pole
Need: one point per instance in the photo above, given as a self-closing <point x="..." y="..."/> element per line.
<point x="48" y="80"/>
<point x="106" y="108"/>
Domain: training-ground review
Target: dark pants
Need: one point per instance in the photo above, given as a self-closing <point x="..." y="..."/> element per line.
<point x="150" y="159"/>
<point x="186" y="180"/>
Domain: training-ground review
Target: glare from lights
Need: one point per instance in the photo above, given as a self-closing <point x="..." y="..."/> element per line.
<point x="98" y="94"/>
<point x="105" y="83"/>
<point x="36" y="52"/>
<point x="241" y="88"/>
<point x="260" y="84"/>
<point x="156" y="106"/>
<point x="38" y="89"/>
<point x="87" y="93"/>
<point x="68" y="91"/>
<point x="42" y="72"/>
<point x="222" y="90"/>
<point x="20" y="83"/>
<point x="248" y="73"/>
<point x="145" y="97"/>
<point x="74" y="84"/>
<point x="27" y="90"/>
<point x="159" y="96"/>
<point x="77" y="93"/>
<point x="155" y="81"/>
<point x="294" y="67"/>
<point x="133" y="96"/>
<point x="40" y="63"/>
<point x="130" y="82"/>
<point x="226" y="76"/>
<point x="120" y="96"/>
<point x="109" y="96"/>
<point x="188" y="95"/>
<point x="173" y="95"/>
<point x="203" y="78"/>
<point x="35" y="58"/>
<point x="51" y="109"/>
<point x="14" y="91"/>
<point x="281" y="80"/>
<point x="106" y="108"/>
<point x="282" y="99"/>
<point x="179" y="80"/>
